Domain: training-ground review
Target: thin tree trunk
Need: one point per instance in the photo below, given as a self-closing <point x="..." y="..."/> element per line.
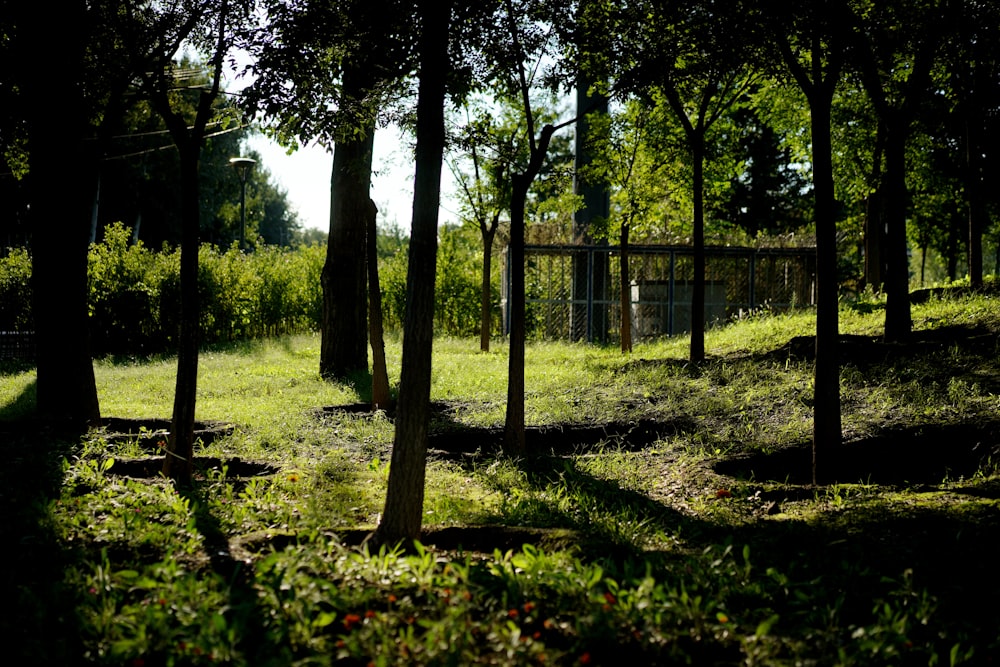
<point x="626" y="292"/>
<point x="343" y="349"/>
<point x="897" y="282"/>
<point x="380" y="374"/>
<point x="402" y="516"/>
<point x="179" y="459"/>
<point x="826" y="408"/>
<point x="698" y="287"/>
<point x="486" y="296"/>
<point x="513" y="439"/>
<point x="978" y="216"/>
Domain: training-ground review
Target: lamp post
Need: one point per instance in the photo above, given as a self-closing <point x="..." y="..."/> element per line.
<point x="243" y="165"/>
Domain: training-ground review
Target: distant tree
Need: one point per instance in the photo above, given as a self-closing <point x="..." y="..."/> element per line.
<point x="319" y="78"/>
<point x="485" y="192"/>
<point x="895" y="49"/>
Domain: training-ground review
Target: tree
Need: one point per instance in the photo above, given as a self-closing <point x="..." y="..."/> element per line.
<point x="895" y="45"/>
<point x="403" y="513"/>
<point x="514" y="439"/>
<point x="811" y="44"/>
<point x="485" y="193"/>
<point x="179" y="460"/>
<point x="319" y="79"/>
<point x="701" y="71"/>
<point x="66" y="390"/>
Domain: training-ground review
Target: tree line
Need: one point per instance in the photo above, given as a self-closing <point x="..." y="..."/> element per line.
<point x="886" y="109"/>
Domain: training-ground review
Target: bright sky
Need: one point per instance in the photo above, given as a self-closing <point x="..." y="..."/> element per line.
<point x="305" y="174"/>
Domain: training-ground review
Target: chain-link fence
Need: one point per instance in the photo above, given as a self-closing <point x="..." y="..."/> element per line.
<point x="574" y="292"/>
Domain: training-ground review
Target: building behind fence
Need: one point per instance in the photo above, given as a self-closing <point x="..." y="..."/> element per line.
<point x="573" y="292"/>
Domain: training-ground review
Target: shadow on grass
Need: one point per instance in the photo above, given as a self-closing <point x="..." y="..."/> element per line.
<point x="37" y="624"/>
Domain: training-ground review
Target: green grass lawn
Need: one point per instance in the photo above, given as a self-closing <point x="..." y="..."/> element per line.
<point x="663" y="516"/>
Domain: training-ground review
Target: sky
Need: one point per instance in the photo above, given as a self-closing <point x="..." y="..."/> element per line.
<point x="305" y="175"/>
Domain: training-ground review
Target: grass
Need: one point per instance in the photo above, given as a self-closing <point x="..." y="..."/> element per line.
<point x="663" y="518"/>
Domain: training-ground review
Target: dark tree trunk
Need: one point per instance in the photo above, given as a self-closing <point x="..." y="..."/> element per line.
<point x="697" y="354"/>
<point x="626" y="292"/>
<point x="380" y="374"/>
<point x="403" y="514"/>
<point x="826" y="409"/>
<point x="59" y="195"/>
<point x="513" y="429"/>
<point x="344" y="350"/>
<point x="513" y="440"/>
<point x="486" y="296"/>
<point x="897" y="279"/>
<point x="978" y="216"/>
<point x="178" y="463"/>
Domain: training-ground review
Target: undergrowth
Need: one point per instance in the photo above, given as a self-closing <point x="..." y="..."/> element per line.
<point x="593" y="552"/>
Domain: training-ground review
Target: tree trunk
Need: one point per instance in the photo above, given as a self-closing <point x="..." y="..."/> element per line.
<point x="826" y="399"/>
<point x="486" y="296"/>
<point x="698" y="287"/>
<point x="626" y="292"/>
<point x="179" y="459"/>
<point x="343" y="350"/>
<point x="897" y="280"/>
<point x="66" y="391"/>
<point x="402" y="516"/>
<point x="513" y="434"/>
<point x="978" y="216"/>
<point x="380" y="375"/>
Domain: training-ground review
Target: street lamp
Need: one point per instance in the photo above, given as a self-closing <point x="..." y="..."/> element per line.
<point x="243" y="165"/>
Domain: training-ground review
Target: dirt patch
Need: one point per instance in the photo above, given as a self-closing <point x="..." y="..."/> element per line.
<point x="150" y="432"/>
<point x="904" y="456"/>
<point x="449" y="439"/>
<point x="151" y="467"/>
<point x="865" y="350"/>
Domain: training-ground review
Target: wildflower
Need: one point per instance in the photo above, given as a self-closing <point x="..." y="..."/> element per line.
<point x="162" y="602"/>
<point x="528" y="606"/>
<point x="92" y="590"/>
<point x="350" y="620"/>
<point x="548" y="624"/>
<point x="162" y="444"/>
<point x="722" y="617"/>
<point x="512" y="613"/>
<point x="723" y="493"/>
<point x="537" y="635"/>
<point x="341" y="643"/>
<point x="609" y="598"/>
<point x="294" y="477"/>
<point x="370" y="614"/>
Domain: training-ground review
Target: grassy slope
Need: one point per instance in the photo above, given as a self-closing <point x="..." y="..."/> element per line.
<point x="648" y="552"/>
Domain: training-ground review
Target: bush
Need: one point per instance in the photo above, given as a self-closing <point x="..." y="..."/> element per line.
<point x="15" y="291"/>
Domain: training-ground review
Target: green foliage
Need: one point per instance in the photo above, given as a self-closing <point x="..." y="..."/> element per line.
<point x="135" y="294"/>
<point x="15" y="291"/>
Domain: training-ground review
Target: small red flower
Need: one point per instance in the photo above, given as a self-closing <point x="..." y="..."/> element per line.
<point x="512" y="613"/>
<point x="609" y="598"/>
<point x="369" y="614"/>
<point x="528" y="606"/>
<point x="350" y="620"/>
<point x="392" y="598"/>
<point x="723" y="493"/>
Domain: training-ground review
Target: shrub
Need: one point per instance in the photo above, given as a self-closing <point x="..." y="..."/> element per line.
<point x="15" y="291"/>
